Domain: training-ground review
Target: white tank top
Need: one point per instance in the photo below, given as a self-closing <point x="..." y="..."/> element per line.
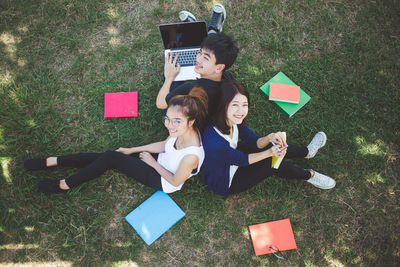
<point x="171" y="158"/>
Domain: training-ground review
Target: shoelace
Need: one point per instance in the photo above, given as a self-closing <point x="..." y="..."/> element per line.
<point x="316" y="145"/>
<point x="214" y="19"/>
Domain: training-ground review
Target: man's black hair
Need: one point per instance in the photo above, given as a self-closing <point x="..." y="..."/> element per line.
<point x="223" y="47"/>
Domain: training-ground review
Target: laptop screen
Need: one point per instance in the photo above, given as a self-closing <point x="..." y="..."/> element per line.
<point x="185" y="34"/>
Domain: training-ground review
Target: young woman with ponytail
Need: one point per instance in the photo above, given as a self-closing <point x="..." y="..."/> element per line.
<point x="163" y="165"/>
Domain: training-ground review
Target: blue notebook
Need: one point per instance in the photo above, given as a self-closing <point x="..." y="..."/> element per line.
<point x="155" y="216"/>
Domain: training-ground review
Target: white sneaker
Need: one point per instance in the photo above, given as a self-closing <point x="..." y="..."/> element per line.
<point x="316" y="143"/>
<point x="321" y="181"/>
<point x="186" y="16"/>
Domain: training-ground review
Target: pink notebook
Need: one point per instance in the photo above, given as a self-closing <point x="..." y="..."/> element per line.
<point x="120" y="105"/>
<point x="284" y="93"/>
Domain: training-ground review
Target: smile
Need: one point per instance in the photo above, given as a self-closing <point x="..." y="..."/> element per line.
<point x="238" y="116"/>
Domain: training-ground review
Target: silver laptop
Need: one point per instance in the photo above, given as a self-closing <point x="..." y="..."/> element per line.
<point x="184" y="39"/>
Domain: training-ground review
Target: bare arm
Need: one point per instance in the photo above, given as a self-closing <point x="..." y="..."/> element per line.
<point x="171" y="70"/>
<point x="277" y="138"/>
<point x="157" y="147"/>
<point x="263" y="141"/>
<point x="187" y="164"/>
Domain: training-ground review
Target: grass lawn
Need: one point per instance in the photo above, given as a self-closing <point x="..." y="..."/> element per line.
<point x="58" y="58"/>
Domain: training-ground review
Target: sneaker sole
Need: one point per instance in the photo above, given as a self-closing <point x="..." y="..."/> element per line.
<point x="325" y="138"/>
<point x="325" y="187"/>
<point x="323" y="144"/>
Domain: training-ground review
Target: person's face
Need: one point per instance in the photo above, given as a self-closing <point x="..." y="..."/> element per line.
<point x="176" y="122"/>
<point x="237" y="109"/>
<point x="206" y="63"/>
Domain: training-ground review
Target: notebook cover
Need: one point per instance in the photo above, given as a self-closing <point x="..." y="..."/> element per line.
<point x="284" y="93"/>
<point x="275" y="161"/>
<point x="276" y="233"/>
<point x="120" y="105"/>
<point x="154" y="216"/>
<point x="288" y="108"/>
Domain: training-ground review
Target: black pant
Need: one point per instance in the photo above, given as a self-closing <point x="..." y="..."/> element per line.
<point x="248" y="176"/>
<point x="95" y="164"/>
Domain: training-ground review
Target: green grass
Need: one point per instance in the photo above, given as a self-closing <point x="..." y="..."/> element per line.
<point x="58" y="58"/>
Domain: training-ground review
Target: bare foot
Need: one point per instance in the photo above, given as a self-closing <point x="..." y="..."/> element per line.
<point x="63" y="185"/>
<point x="51" y="161"/>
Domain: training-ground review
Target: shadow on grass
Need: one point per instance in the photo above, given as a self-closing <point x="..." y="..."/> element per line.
<point x="50" y="92"/>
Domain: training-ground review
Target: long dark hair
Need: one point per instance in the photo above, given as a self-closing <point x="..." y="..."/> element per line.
<point x="228" y="91"/>
<point x="194" y="106"/>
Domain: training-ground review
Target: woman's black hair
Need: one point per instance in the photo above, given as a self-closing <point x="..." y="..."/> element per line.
<point x="228" y="91"/>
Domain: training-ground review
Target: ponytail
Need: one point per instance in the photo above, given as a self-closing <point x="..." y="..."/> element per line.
<point x="194" y="106"/>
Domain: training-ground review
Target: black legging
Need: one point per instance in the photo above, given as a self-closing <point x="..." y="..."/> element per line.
<point x="248" y="176"/>
<point x="95" y="164"/>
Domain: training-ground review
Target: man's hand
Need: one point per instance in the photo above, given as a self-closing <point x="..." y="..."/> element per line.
<point x="171" y="67"/>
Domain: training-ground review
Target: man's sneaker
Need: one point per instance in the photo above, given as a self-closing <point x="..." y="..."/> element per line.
<point x="218" y="17"/>
<point x="186" y="16"/>
<point x="321" y="181"/>
<point x="316" y="143"/>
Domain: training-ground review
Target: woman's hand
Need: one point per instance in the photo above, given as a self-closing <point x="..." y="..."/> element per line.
<point x="123" y="150"/>
<point x="171" y="67"/>
<point x="279" y="139"/>
<point x="277" y="151"/>
<point x="147" y="158"/>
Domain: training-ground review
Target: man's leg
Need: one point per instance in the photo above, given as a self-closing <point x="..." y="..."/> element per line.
<point x="218" y="17"/>
<point x="217" y="20"/>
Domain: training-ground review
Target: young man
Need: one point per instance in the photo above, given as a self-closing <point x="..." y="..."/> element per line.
<point x="218" y="53"/>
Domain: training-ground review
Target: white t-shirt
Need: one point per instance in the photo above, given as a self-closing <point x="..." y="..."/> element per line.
<point x="171" y="158"/>
<point x="233" y="144"/>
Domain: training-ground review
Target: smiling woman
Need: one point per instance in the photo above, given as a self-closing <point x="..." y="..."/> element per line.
<point x="164" y="165"/>
<point x="232" y="167"/>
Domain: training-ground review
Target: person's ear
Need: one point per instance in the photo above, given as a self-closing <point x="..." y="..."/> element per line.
<point x="191" y="122"/>
<point x="220" y="68"/>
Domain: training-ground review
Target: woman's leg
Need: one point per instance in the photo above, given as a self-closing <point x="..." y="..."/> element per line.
<point x="129" y="165"/>
<point x="74" y="160"/>
<point x="79" y="160"/>
<point x="248" y="176"/>
<point x="295" y="151"/>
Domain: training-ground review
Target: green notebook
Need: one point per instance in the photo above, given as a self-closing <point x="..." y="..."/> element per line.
<point x="288" y="108"/>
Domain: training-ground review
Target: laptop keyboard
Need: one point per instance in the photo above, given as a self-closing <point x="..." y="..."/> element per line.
<point x="186" y="57"/>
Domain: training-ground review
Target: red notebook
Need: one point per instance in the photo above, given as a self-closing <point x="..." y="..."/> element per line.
<point x="267" y="237"/>
<point x="120" y="105"/>
<point x="284" y="93"/>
